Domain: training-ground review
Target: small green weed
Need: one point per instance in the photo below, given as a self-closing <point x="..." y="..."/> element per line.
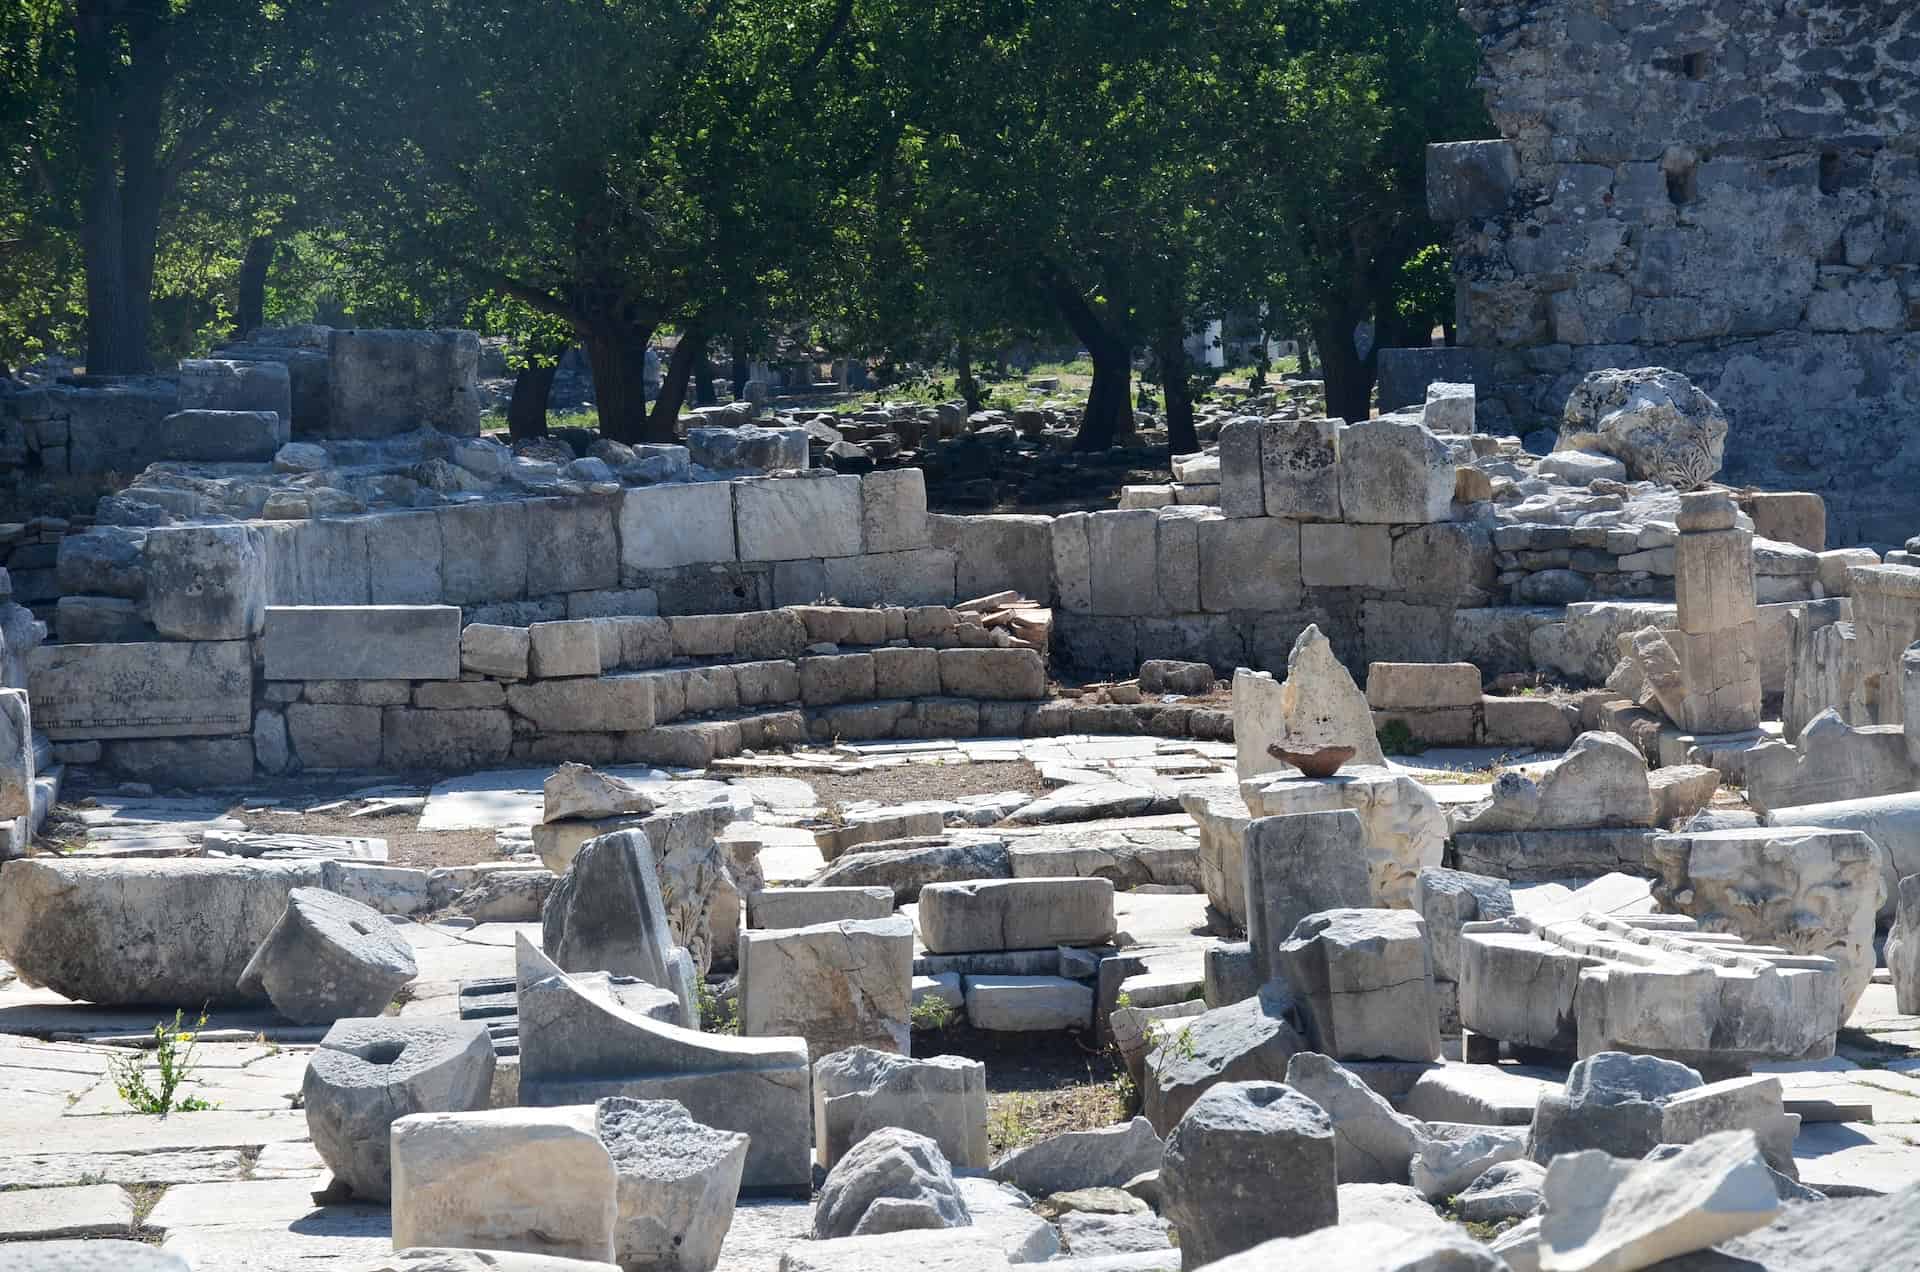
<point x="931" y="1013"/>
<point x="173" y="1052"/>
<point x="717" y="1015"/>
<point x="1397" y="739"/>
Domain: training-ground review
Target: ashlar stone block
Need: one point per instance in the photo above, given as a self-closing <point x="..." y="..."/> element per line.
<point x="1365" y="979"/>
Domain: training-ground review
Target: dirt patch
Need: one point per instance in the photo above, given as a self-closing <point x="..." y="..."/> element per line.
<point x="905" y="783"/>
<point x="406" y="846"/>
<point x="1037" y="1084"/>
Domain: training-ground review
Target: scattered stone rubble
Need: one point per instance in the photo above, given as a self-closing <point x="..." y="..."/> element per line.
<point x="1589" y="969"/>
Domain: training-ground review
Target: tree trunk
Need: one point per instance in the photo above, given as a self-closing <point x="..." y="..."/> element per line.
<point x="742" y="372"/>
<point x="617" y="352"/>
<point x="527" y="410"/>
<point x="1305" y="359"/>
<point x="120" y="106"/>
<point x="1170" y="350"/>
<point x="963" y="379"/>
<point x="673" y="386"/>
<point x="1109" y="413"/>
<point x="1349" y="378"/>
<point x="704" y="373"/>
<point x="251" y="312"/>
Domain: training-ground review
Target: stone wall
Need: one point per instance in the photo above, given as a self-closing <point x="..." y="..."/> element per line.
<point x="1725" y="189"/>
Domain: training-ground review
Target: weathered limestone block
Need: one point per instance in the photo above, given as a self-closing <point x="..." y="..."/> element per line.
<point x="837" y="985"/>
<point x="105" y="561"/>
<point x="1222" y="1158"/>
<point x="1104" y="1158"/>
<point x="611" y="704"/>
<point x="993" y="673"/>
<point x="1122" y="554"/>
<point x="1364" y="979"/>
<point x="1028" y="1004"/>
<point x="577" y="1047"/>
<point x="206" y="583"/>
<point x="1334" y="554"/>
<point x="1251" y="1040"/>
<point x="1605" y="1213"/>
<point x="1652" y="419"/>
<point x="1298" y="865"/>
<point x="907" y="869"/>
<point x="578" y="791"/>
<point x="564" y="648"/>
<point x="1653" y="984"/>
<point x="1241" y="478"/>
<point x="177" y="931"/>
<point x="16" y="755"/>
<point x="859" y="1090"/>
<point x="1832" y="760"/>
<point x="362" y="642"/>
<point x="89" y="1254"/>
<point x="1247" y="563"/>
<point x="1373" y="1143"/>
<point x="606" y="914"/>
<point x="804" y="907"/>
<point x="1600" y="781"/>
<point x="788" y="519"/>
<point x="1903" y="947"/>
<point x="892" y="1181"/>
<point x="1316" y="706"/>
<point x="664" y="527"/>
<point x="1223" y="819"/>
<point x="1393" y="471"/>
<point x="1374" y="1246"/>
<point x="677" y="1181"/>
<point x="367" y="1074"/>
<point x="1448" y="900"/>
<point x="221" y="437"/>
<point x="1403" y="828"/>
<point x="329" y="957"/>
<point x="534" y="1180"/>
<point x="893" y="510"/>
<point x="222" y="384"/>
<point x="1422" y="686"/>
<point x="1808" y="890"/>
<point x="1015" y="914"/>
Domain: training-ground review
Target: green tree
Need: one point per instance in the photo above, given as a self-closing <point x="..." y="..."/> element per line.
<point x="117" y="107"/>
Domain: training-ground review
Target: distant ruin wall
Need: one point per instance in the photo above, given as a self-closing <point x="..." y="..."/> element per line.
<point x="1727" y="187"/>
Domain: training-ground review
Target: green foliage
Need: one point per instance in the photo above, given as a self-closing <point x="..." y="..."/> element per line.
<point x="930" y="1013"/>
<point x="1397" y="739"/>
<point x="717" y="1015"/>
<point x="173" y="1053"/>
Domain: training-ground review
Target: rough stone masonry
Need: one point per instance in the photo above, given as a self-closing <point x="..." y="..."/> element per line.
<point x="1730" y="189"/>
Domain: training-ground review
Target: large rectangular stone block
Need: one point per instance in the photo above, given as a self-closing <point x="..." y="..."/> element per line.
<point x="921" y="576"/>
<point x="1713" y="579"/>
<point x="1334" y="554"/>
<point x="331" y="736"/>
<point x="1394" y="472"/>
<point x="221" y="384"/>
<point x="1177" y="561"/>
<point x="483" y="550"/>
<point x="571" y="546"/>
<point x="388" y="382"/>
<point x="662" y="527"/>
<point x="1300" y="469"/>
<point x="328" y="565"/>
<point x="1240" y="480"/>
<point x="1296" y="865"/>
<point x="1249" y="563"/>
<point x="403" y="559"/>
<point x="447" y="741"/>
<point x="205" y="582"/>
<point x="153" y="690"/>
<point x="1122" y="561"/>
<point x="603" y="704"/>
<point x="786" y="519"/>
<point x="1072" y="588"/>
<point x="995" y="553"/>
<point x="362" y="642"/>
<point x="893" y="511"/>
<point x="1015" y="914"/>
<point x="993" y="673"/>
<point x="838" y="985"/>
<point x="221" y="437"/>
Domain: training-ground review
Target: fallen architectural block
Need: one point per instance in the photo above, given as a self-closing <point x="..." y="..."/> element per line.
<point x="329" y="957"/>
<point x="576" y="1048"/>
<point x="1808" y="890"/>
<point x="1028" y="1004"/>
<point x="804" y="907"/>
<point x="1393" y="471"/>
<point x="1374" y="1247"/>
<point x="676" y="1184"/>
<point x="366" y="1074"/>
<point x="89" y="1255"/>
<point x="1654" y="984"/>
<point x="859" y="1090"/>
<point x="1364" y="980"/>
<point x="362" y="642"/>
<point x="179" y="931"/>
<point x="1625" y="1105"/>
<point x="1373" y="1143"/>
<point x="1891" y="821"/>
<point x="202" y="435"/>
<point x="1600" y="781"/>
<point x="535" y="1180"/>
<point x="1602" y="1213"/>
<point x="1903" y="947"/>
<point x="1404" y="830"/>
<point x="1015" y="914"/>
<point x="892" y="1181"/>
<point x="1297" y="865"/>
<point x="1221" y="1161"/>
<point x="606" y="914"/>
<point x="837" y="985"/>
<point x="16" y="755"/>
<point x="1223" y="818"/>
<point x="1251" y="1040"/>
<point x="1103" y="1158"/>
<point x="907" y="869"/>
<point x="206" y="583"/>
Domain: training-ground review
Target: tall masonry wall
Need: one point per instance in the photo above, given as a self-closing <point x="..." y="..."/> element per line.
<point x="1727" y="187"/>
